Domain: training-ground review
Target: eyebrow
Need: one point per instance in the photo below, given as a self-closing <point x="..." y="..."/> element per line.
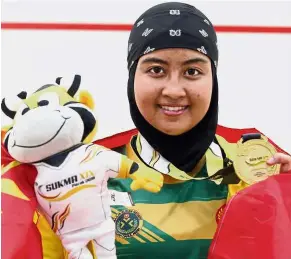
<point x="161" y="61"/>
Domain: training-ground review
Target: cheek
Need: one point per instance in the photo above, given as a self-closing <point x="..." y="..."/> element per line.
<point x="201" y="92"/>
<point x="145" y="93"/>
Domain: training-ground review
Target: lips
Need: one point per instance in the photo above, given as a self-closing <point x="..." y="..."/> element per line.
<point x="173" y="110"/>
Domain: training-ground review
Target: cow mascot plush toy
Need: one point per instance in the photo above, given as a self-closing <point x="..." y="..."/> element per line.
<point x="52" y="129"/>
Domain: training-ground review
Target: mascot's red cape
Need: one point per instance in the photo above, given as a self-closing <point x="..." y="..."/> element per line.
<point x="255" y="224"/>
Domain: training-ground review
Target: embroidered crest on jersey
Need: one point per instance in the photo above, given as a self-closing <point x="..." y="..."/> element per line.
<point x="128" y="223"/>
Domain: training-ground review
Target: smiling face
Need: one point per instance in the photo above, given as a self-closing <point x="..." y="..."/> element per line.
<point x="173" y="89"/>
<point x="48" y="122"/>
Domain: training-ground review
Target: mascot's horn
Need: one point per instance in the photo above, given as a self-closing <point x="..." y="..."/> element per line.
<point x="58" y="80"/>
<point x="75" y="85"/>
<point x="6" y="110"/>
<point x="22" y="95"/>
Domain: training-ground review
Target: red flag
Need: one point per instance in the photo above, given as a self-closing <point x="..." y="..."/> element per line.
<point x="20" y="236"/>
<point x="256" y="223"/>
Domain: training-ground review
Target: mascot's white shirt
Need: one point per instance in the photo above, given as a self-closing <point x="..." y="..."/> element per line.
<point x="74" y="195"/>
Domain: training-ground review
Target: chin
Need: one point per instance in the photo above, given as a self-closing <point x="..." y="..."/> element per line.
<point x="173" y="131"/>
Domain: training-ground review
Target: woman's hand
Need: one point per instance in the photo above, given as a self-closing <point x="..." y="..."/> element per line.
<point x="282" y="159"/>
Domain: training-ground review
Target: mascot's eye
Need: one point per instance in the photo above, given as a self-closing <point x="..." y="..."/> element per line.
<point x="43" y="103"/>
<point x="25" y="110"/>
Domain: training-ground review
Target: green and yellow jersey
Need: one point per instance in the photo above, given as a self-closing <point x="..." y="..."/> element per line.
<point x="178" y="222"/>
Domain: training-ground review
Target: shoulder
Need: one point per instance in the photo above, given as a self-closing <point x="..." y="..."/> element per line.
<point x="233" y="135"/>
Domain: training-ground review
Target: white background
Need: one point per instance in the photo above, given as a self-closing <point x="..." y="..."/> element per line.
<point x="254" y="69"/>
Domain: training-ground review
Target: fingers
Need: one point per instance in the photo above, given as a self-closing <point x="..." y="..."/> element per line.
<point x="279" y="158"/>
<point x="137" y="184"/>
<point x="148" y="186"/>
<point x="282" y="159"/>
<point x="285" y="168"/>
<point x="152" y="187"/>
<point x="161" y="178"/>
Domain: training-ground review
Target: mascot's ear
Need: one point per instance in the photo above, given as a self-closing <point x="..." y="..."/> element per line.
<point x="91" y="136"/>
<point x="86" y="98"/>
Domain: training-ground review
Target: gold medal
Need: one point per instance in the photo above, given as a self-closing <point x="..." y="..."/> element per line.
<point x="250" y="163"/>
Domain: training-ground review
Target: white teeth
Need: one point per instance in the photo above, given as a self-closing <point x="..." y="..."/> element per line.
<point x="176" y="109"/>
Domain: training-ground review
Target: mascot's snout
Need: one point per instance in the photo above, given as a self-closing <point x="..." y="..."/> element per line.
<point x="43" y="127"/>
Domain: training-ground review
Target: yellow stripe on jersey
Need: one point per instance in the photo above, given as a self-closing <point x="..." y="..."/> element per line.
<point x="153" y="234"/>
<point x="180" y="223"/>
<point x="139" y="239"/>
<point x="121" y="240"/>
<point x="147" y="236"/>
<point x="113" y="210"/>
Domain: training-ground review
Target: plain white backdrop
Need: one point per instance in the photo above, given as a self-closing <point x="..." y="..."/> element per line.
<point x="254" y="69"/>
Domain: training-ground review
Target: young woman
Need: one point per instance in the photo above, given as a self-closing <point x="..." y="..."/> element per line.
<point x="173" y="98"/>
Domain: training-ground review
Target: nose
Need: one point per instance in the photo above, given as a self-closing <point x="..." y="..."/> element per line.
<point x="174" y="89"/>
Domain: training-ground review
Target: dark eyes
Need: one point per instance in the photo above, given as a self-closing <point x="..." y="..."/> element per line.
<point x="156" y="70"/>
<point x="159" y="71"/>
<point x="192" y="72"/>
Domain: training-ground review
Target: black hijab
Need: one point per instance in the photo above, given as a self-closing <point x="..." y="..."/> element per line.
<point x="175" y="25"/>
